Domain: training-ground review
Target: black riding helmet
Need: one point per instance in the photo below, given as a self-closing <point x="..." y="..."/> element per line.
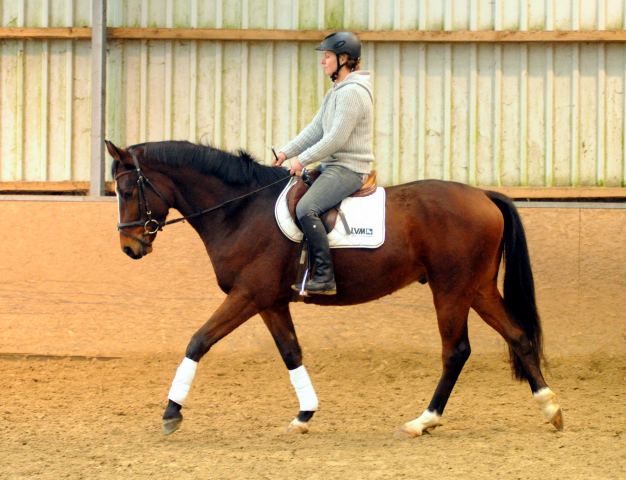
<point x="341" y="42"/>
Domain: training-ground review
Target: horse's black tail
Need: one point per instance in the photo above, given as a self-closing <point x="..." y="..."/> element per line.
<point x="519" y="287"/>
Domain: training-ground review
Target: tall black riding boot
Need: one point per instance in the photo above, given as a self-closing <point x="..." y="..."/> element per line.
<point x="323" y="282"/>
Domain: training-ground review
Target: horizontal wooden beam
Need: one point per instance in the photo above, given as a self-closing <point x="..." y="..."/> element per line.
<point x="517" y="193"/>
<point x="492" y="36"/>
<point x="559" y="193"/>
<point x="67" y="187"/>
<point x="251" y="35"/>
<point x="45" y="33"/>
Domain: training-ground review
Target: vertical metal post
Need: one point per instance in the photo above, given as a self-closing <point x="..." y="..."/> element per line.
<point x="98" y="85"/>
<point x="496" y="176"/>
<point x="21" y="99"/>
<point x="421" y="96"/>
<point x="447" y="95"/>
<point x="69" y="93"/>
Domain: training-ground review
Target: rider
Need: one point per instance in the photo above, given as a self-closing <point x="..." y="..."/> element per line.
<point x="341" y="138"/>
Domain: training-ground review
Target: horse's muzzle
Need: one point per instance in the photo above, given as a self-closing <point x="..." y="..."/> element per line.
<point x="131" y="253"/>
<point x="137" y="246"/>
<point x="143" y="251"/>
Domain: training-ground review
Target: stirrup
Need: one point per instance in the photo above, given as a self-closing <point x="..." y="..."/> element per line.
<point x="298" y="288"/>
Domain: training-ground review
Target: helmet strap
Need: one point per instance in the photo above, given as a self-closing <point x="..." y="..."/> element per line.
<point x="334" y="76"/>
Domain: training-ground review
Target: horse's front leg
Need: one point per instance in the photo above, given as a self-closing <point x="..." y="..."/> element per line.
<point x="235" y="310"/>
<point x="279" y="323"/>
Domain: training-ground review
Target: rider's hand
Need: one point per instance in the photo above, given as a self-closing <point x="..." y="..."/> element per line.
<point x="296" y="167"/>
<point x="281" y="158"/>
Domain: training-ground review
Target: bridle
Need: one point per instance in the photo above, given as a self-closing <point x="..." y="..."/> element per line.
<point x="151" y="225"/>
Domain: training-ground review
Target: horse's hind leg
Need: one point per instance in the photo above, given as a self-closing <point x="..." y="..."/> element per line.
<point x="452" y="311"/>
<point x="490" y="305"/>
<point x="279" y="323"/>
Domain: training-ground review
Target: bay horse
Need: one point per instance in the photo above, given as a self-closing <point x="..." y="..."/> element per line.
<point x="448" y="235"/>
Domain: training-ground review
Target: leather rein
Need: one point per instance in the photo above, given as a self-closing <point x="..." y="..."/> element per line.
<point x="151" y="225"/>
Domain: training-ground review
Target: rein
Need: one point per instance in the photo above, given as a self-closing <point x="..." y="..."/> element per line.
<point x="151" y="225"/>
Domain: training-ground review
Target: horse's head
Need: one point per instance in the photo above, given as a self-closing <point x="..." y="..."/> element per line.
<point x="143" y="198"/>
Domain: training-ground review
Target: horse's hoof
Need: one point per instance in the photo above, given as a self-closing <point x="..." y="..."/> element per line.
<point x="171" y="425"/>
<point x="557" y="420"/>
<point x="407" y="432"/>
<point x="297" y="427"/>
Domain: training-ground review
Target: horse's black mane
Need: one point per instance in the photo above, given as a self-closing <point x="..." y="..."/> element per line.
<point x="237" y="168"/>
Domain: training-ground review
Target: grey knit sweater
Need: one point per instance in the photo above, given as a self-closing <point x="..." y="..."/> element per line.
<point x="342" y="131"/>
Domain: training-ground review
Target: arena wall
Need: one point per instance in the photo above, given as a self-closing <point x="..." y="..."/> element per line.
<point x="68" y="289"/>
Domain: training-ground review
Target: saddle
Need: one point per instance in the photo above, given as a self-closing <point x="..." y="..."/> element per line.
<point x="329" y="218"/>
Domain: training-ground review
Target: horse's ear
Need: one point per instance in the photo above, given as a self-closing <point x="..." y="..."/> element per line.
<point x="119" y="154"/>
<point x="115" y="152"/>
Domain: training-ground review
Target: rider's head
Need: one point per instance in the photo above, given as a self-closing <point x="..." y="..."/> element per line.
<point x="341" y="50"/>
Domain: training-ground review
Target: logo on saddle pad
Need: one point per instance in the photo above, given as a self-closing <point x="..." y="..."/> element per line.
<point x="363" y="232"/>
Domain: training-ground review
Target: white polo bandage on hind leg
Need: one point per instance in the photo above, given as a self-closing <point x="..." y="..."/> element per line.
<point x="304" y="389"/>
<point x="182" y="381"/>
<point x="428" y="419"/>
<point x="545" y="398"/>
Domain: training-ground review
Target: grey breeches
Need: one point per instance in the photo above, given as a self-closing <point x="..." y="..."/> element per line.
<point x="333" y="185"/>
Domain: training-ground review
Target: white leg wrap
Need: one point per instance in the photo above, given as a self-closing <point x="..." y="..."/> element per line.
<point x="545" y="398"/>
<point x="427" y="420"/>
<point x="304" y="389"/>
<point x="182" y="381"/>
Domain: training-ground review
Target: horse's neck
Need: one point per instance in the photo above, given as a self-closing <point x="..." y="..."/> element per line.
<point x="230" y="234"/>
<point x="201" y="192"/>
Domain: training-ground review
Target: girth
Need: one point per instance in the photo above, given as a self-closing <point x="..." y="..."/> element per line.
<point x="329" y="218"/>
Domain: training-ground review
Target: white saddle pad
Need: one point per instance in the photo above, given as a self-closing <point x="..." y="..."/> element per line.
<point x="365" y="217"/>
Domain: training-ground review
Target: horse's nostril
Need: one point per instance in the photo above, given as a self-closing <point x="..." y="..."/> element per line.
<point x="131" y="253"/>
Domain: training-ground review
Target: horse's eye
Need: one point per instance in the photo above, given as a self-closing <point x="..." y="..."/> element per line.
<point x="128" y="195"/>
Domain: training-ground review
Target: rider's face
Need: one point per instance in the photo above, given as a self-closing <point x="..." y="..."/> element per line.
<point x="329" y="62"/>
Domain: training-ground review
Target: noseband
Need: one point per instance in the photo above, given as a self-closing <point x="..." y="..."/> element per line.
<point x="151" y="225"/>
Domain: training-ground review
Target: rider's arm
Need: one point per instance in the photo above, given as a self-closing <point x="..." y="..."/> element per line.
<point x="350" y="107"/>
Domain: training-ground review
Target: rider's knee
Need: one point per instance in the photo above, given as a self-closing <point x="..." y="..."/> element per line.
<point x="304" y="210"/>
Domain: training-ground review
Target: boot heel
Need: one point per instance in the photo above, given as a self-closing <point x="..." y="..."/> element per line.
<point x="298" y="288"/>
